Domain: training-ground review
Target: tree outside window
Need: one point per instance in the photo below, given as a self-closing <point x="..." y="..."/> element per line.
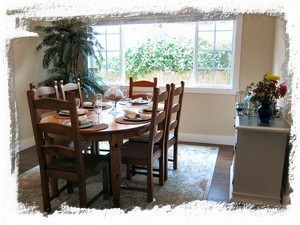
<point x="166" y="51"/>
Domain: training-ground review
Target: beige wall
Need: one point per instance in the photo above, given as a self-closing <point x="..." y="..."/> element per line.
<point x="213" y="115"/>
<point x="205" y="117"/>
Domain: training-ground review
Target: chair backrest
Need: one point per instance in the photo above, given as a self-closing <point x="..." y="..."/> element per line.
<point x="68" y="132"/>
<point x="158" y="118"/>
<point x="140" y="83"/>
<point x="174" y="110"/>
<point x="44" y="91"/>
<point x="64" y="88"/>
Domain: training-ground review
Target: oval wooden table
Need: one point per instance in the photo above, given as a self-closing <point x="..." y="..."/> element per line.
<point x="115" y="133"/>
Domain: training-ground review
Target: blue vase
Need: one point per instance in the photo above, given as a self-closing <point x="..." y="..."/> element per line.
<point x="265" y="113"/>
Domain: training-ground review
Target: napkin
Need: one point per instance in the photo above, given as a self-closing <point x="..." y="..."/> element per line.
<point x="131" y="114"/>
<point x="160" y="107"/>
<point x="81" y="111"/>
<point x="83" y="119"/>
<point x="104" y="104"/>
<point x="137" y="100"/>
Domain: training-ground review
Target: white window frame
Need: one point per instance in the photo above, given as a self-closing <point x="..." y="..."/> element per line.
<point x="236" y="50"/>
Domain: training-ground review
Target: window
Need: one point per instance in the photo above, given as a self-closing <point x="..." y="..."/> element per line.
<point x="203" y="54"/>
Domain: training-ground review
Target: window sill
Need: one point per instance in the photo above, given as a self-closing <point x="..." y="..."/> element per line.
<point x="216" y="91"/>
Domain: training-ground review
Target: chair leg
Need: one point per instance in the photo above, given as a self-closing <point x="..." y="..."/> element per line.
<point x="128" y="171"/>
<point x="150" y="184"/>
<point x="175" y="158"/>
<point x="162" y="171"/>
<point x="166" y="161"/>
<point x="82" y="194"/>
<point x="46" y="193"/>
<point x="70" y="187"/>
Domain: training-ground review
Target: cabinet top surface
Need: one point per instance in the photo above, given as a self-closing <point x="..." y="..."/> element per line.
<point x="252" y="122"/>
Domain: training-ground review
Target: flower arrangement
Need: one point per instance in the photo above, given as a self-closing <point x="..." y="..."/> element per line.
<point x="267" y="90"/>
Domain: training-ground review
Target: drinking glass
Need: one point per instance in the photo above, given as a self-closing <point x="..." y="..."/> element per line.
<point x="128" y="102"/>
<point x="98" y="97"/>
<point x="98" y="109"/>
<point x="125" y="93"/>
<point x="149" y="97"/>
<point x="77" y="102"/>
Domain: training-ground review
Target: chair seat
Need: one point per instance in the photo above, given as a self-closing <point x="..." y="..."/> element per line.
<point x="137" y="152"/>
<point x="145" y="137"/>
<point x="90" y="162"/>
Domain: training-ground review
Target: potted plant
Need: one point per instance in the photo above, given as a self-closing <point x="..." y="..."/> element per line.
<point x="66" y="43"/>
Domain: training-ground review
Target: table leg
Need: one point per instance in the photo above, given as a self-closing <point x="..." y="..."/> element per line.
<point x="115" y="163"/>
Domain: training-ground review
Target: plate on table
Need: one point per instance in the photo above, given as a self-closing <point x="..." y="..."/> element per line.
<point x="87" y="124"/>
<point x="136" y="119"/>
<point x="67" y="112"/>
<point x="88" y="105"/>
<point x="142" y="102"/>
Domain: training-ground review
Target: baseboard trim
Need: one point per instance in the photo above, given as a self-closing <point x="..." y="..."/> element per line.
<point x="208" y="139"/>
<point x="27" y="143"/>
<point x="184" y="137"/>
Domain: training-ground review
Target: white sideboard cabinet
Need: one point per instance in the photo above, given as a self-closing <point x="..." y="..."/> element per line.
<point x="259" y="161"/>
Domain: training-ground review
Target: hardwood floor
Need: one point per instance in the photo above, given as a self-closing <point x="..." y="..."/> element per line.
<point x="219" y="190"/>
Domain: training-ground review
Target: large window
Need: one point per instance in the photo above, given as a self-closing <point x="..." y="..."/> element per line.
<point x="200" y="53"/>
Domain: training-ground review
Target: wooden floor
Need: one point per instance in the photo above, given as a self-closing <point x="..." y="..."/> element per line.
<point x="219" y="190"/>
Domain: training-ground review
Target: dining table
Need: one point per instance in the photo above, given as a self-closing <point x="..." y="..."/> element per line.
<point x="112" y="128"/>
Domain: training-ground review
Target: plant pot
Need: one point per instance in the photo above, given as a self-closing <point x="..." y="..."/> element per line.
<point x="265" y="113"/>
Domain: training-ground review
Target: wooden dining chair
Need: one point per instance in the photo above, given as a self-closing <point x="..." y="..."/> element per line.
<point x="140" y="83"/>
<point x="64" y="88"/>
<point x="64" y="162"/>
<point x="146" y="153"/>
<point x="172" y="129"/>
<point x="75" y="87"/>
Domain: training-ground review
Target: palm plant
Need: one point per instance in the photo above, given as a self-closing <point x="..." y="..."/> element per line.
<point x="65" y="43"/>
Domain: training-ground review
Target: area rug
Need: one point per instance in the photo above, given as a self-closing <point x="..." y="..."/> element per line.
<point x="191" y="181"/>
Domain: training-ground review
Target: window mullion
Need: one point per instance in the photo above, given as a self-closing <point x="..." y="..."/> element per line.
<point x="122" y="55"/>
<point x="214" y="55"/>
<point x="106" y="56"/>
<point x="196" y="49"/>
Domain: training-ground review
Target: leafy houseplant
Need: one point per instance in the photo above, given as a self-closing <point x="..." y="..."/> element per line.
<point x="266" y="92"/>
<point x="67" y="42"/>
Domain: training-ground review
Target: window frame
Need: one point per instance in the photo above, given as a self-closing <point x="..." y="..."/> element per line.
<point x="235" y="67"/>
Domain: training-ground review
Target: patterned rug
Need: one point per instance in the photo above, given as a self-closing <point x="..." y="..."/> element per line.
<point x="191" y="181"/>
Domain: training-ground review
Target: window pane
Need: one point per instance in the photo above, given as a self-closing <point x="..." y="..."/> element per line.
<point x="204" y="77"/>
<point x="222" y="77"/>
<point x="206" y="40"/>
<point x="205" y="59"/>
<point x="224" y="25"/>
<point x="222" y="59"/>
<point x="224" y="40"/>
<point x="113" y="42"/>
<point x="206" y="26"/>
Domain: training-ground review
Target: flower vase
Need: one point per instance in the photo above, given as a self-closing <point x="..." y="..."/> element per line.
<point x="265" y="113"/>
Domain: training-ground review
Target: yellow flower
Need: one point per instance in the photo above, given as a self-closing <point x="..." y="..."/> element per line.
<point x="269" y="76"/>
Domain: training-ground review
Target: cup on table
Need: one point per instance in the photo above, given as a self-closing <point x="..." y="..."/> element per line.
<point x="128" y="102"/>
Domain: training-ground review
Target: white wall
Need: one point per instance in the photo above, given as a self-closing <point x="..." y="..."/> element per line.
<point x="205" y="117"/>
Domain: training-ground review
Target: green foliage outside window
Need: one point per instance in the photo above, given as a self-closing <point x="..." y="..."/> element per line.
<point x="169" y="54"/>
